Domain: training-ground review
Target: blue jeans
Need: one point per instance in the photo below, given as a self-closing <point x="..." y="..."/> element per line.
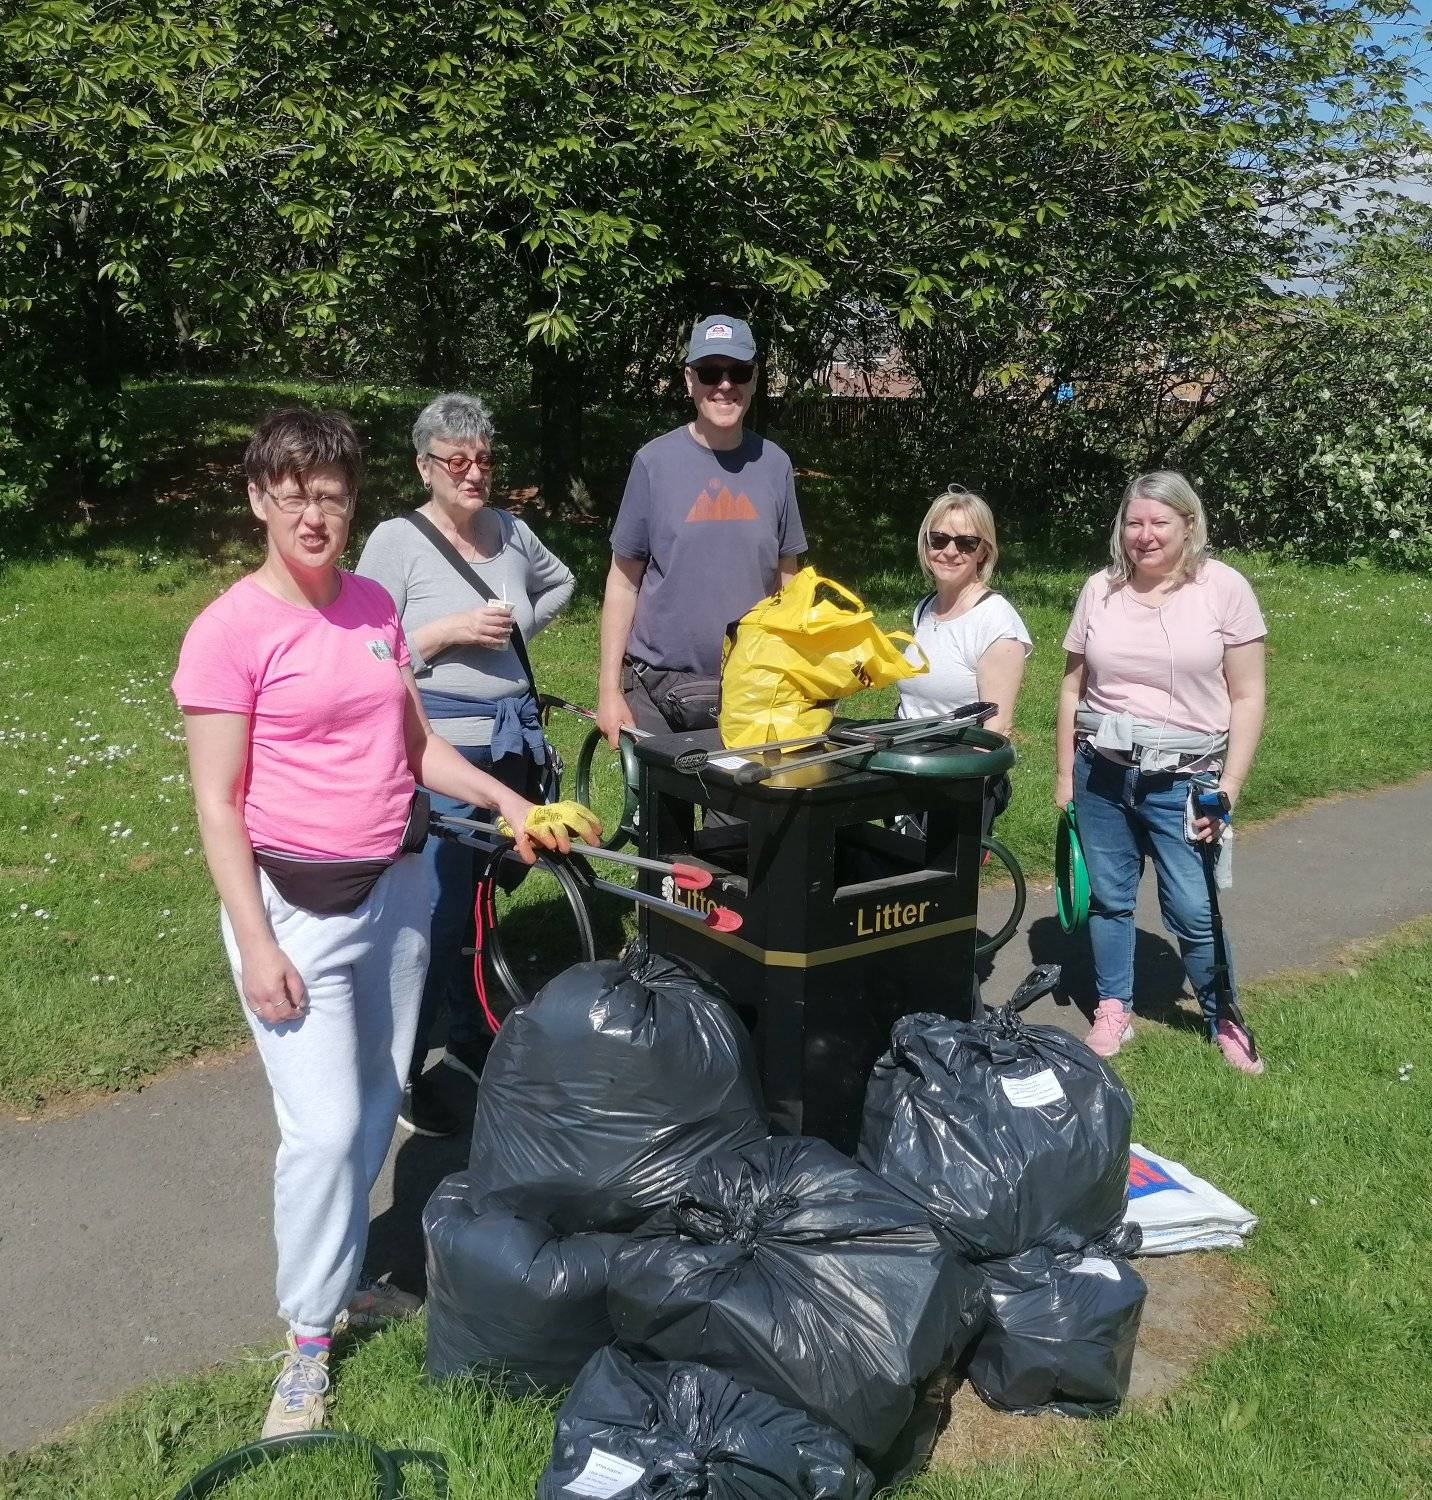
<point x="1125" y="817"/>
<point x="452" y="884"/>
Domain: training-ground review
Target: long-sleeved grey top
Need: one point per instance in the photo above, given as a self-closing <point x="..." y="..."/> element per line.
<point x="425" y="587"/>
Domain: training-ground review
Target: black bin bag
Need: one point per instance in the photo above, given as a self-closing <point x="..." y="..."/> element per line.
<point x="633" y="1431"/>
<point x="1009" y="1136"/>
<point x="602" y="1094"/>
<point x="794" y="1271"/>
<point x="510" y="1298"/>
<point x="1060" y="1335"/>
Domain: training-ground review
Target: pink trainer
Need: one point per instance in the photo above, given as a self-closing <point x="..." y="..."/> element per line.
<point x="1111" y="1028"/>
<point x="1233" y="1044"/>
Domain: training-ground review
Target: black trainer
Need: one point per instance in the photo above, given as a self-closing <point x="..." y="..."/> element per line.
<point x="424" y="1113"/>
<point x="468" y="1057"/>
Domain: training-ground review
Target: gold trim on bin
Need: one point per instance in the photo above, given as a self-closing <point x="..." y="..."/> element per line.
<point x="780" y="958"/>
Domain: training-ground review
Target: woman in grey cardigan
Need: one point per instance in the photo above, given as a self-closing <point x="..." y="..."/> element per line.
<point x="473" y="684"/>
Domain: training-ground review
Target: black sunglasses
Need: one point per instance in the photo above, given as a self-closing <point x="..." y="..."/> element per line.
<point x="715" y="374"/>
<point x="967" y="546"/>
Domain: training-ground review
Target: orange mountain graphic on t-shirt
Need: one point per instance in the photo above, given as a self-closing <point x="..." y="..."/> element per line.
<point x="722" y="506"/>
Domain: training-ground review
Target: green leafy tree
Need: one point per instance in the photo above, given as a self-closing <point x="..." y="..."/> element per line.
<point x="1006" y="186"/>
<point x="1319" y="438"/>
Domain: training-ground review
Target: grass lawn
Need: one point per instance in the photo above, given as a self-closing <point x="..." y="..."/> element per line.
<point x="1328" y="1398"/>
<point x="110" y="963"/>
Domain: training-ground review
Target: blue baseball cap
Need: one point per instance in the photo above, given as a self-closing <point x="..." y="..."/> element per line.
<point x="721" y="334"/>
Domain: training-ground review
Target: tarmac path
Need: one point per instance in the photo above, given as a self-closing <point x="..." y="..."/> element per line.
<point x="135" y="1236"/>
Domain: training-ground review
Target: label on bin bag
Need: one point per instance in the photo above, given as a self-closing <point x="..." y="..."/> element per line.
<point x="605" y="1476"/>
<point x="1096" y="1265"/>
<point x="1030" y="1093"/>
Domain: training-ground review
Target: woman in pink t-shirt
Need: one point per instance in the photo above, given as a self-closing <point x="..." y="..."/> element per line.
<point x="1163" y="682"/>
<point x="306" y="739"/>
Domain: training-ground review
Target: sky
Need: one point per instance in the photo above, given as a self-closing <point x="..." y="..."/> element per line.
<point x="1419" y="49"/>
<point x="1407" y="31"/>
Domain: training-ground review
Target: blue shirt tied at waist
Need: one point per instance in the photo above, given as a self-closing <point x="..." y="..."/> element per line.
<point x="516" y="721"/>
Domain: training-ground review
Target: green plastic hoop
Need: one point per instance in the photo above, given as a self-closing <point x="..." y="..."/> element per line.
<point x="387" y="1466"/>
<point x="1071" y="874"/>
<point x="625" y="830"/>
<point x="979" y="754"/>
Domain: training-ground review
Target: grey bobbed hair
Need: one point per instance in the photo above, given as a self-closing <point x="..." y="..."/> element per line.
<point x="455" y="418"/>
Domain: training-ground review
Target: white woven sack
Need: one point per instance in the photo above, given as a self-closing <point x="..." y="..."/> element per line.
<point x="1178" y="1210"/>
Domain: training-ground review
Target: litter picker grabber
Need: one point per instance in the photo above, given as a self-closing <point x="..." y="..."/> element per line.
<point x="690" y="760"/>
<point x="717" y="918"/>
<point x="694" y="759"/>
<point x="855" y="741"/>
<point x="687" y="877"/>
<point x="1214" y="804"/>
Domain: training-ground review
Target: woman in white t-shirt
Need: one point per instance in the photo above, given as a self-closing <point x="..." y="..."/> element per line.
<point x="972" y="637"/>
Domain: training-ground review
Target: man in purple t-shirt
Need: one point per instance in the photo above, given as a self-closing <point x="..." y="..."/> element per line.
<point x="708" y="526"/>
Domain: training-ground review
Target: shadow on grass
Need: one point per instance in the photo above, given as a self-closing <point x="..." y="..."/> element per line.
<point x="185" y="500"/>
<point x="186" y="497"/>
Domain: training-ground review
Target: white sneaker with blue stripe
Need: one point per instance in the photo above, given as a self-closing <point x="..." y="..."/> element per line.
<point x="299" y="1394"/>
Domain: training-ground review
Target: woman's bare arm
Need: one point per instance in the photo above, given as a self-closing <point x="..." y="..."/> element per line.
<point x="218" y="757"/>
<point x="1071" y="691"/>
<point x="998" y="674"/>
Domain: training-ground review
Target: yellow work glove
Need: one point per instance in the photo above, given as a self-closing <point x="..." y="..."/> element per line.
<point x="580" y="821"/>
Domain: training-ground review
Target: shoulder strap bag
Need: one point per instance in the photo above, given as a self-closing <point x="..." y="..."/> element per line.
<point x="546" y="780"/>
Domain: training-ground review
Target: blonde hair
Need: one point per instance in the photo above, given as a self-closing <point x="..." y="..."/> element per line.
<point x="1170" y="488"/>
<point x="981" y="521"/>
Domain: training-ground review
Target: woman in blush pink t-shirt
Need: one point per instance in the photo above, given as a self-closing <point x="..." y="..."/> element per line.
<point x="1163" y="681"/>
<point x="306" y="738"/>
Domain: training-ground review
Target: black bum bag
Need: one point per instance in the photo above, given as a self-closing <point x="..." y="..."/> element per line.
<point x="333" y="887"/>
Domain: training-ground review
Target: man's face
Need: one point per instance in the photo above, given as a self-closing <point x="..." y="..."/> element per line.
<point x="721" y="390"/>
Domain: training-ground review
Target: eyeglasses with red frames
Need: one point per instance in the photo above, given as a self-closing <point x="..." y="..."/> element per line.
<point x="966" y="546"/>
<point x="457" y="464"/>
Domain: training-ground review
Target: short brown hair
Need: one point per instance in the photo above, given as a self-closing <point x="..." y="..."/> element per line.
<point x="294" y="440"/>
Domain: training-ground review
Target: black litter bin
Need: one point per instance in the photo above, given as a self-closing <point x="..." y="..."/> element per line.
<point x="847" y="923"/>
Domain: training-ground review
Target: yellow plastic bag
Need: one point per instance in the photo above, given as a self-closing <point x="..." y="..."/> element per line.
<point x="797" y="653"/>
